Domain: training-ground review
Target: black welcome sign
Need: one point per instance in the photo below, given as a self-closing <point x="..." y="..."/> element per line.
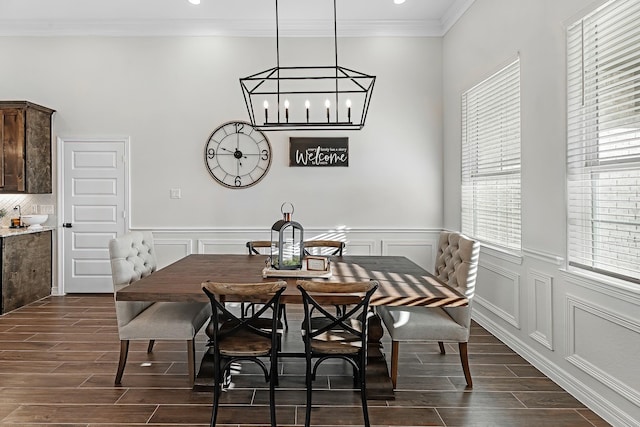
<point x="318" y="152"/>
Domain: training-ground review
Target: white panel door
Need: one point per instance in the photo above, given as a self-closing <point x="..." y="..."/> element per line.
<point x="94" y="211"/>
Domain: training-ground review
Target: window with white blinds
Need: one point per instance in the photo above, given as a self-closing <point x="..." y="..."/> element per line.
<point x="603" y="150"/>
<point x="491" y="159"/>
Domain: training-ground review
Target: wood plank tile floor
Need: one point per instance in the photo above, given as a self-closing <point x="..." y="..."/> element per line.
<point x="58" y="359"/>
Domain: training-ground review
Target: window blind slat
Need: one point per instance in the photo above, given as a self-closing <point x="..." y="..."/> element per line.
<point x="491" y="207"/>
<point x="603" y="144"/>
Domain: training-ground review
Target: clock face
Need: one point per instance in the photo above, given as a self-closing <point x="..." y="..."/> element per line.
<point x="237" y="155"/>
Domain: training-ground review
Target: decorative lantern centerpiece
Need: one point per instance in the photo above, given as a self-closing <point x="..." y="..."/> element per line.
<point x="287" y="247"/>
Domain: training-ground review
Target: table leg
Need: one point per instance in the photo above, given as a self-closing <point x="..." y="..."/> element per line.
<point x="379" y="385"/>
<point x="205" y="378"/>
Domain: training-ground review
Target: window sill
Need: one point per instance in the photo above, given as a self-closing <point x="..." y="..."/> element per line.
<point x="604" y="284"/>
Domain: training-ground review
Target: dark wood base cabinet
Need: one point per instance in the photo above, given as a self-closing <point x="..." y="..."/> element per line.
<point x="26" y="269"/>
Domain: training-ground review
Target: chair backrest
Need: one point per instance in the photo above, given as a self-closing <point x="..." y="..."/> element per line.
<point x="266" y="293"/>
<point x="457" y="266"/>
<point x="132" y="258"/>
<point x="353" y="319"/>
<point x="254" y="246"/>
<point x="335" y="247"/>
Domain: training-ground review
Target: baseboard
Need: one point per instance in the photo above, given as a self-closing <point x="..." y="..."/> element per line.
<point x="587" y="396"/>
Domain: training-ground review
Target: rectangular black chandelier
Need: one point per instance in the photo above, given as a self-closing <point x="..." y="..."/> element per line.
<point x="308" y="98"/>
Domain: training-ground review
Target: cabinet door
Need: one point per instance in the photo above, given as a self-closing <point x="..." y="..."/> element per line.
<point x="26" y="269"/>
<point x="12" y="158"/>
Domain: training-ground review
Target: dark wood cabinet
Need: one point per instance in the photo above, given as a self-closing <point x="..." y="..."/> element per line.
<point x="26" y="269"/>
<point x="25" y="143"/>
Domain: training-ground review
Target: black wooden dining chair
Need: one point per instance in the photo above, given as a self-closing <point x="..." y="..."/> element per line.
<point x="234" y="339"/>
<point x="254" y="247"/>
<point x="326" y="247"/>
<point x="343" y="336"/>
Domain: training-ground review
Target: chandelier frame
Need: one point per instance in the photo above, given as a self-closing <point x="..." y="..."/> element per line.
<point x="334" y="83"/>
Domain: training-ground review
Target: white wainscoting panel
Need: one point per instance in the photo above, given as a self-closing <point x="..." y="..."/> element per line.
<point x="604" y="344"/>
<point x="219" y="246"/>
<point x="540" y="308"/>
<point x="361" y="247"/>
<point x="498" y="291"/>
<point x="170" y="250"/>
<point x="422" y="252"/>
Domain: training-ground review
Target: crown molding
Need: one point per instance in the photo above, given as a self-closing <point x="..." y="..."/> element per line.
<point x="454" y="13"/>
<point x="233" y="27"/>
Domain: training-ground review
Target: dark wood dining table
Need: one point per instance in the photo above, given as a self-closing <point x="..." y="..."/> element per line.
<point x="401" y="283"/>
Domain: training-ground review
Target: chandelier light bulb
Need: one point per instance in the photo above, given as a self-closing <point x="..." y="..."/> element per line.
<point x="327" y="104"/>
<point x="398" y="1"/>
<point x="266" y="111"/>
<point x="198" y="1"/>
<point x="286" y="110"/>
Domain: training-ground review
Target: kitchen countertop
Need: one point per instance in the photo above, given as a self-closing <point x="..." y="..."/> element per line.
<point x="8" y="232"/>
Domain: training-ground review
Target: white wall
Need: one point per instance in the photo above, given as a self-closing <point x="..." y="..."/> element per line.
<point x="169" y="94"/>
<point x="584" y="333"/>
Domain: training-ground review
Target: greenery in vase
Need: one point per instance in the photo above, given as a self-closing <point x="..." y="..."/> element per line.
<point x="287" y="262"/>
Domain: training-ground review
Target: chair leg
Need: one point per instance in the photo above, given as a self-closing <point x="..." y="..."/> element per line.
<point x="394" y="362"/>
<point x="150" y="348"/>
<point x="441" y="345"/>
<point x="363" y="394"/>
<point x="191" y="362"/>
<point x="217" y="380"/>
<point x="272" y="391"/>
<point x="307" y="416"/>
<point x="464" y="358"/>
<point x="283" y="314"/>
<point x="124" y="351"/>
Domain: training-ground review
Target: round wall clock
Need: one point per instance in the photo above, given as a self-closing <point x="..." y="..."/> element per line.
<point x="237" y="155"/>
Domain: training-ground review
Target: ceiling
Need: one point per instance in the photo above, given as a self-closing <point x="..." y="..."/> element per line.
<point x="254" y="18"/>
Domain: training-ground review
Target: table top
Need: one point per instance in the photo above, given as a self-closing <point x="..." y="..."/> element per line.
<point x="402" y="282"/>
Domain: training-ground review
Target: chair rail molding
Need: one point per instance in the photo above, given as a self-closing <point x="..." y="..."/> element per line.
<point x="543" y="256"/>
<point x="540" y="308"/>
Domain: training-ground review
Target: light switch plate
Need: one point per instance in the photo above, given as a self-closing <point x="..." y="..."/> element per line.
<point x="175" y="193"/>
<point x="46" y="209"/>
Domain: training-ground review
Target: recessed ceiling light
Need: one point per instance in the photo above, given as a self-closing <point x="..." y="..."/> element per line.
<point x="198" y="1"/>
<point x="398" y="1"/>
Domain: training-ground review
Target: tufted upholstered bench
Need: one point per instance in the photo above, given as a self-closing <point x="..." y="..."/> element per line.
<point x="457" y="266"/>
<point x="132" y="258"/>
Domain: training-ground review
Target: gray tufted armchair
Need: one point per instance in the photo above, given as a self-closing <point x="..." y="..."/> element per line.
<point x="132" y="258"/>
<point x="457" y="266"/>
